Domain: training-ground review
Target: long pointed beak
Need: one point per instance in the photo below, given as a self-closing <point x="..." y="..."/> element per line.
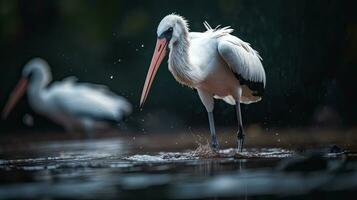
<point x="159" y="54"/>
<point x="15" y="96"/>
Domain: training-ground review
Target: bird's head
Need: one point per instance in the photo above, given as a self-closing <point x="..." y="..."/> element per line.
<point x="172" y="29"/>
<point x="35" y="69"/>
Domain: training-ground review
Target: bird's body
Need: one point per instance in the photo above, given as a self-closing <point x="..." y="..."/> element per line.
<point x="215" y="63"/>
<point x="75" y="106"/>
<point x="206" y="69"/>
<point x="80" y="105"/>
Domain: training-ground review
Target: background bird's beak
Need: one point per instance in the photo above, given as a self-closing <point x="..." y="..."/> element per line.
<point x="16" y="94"/>
<point x="159" y="54"/>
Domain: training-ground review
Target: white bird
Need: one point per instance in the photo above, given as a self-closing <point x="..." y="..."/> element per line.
<point x="215" y="63"/>
<point x="75" y="106"/>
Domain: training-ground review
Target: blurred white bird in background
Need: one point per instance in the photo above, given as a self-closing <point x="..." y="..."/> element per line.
<point x="215" y="63"/>
<point x="75" y="106"/>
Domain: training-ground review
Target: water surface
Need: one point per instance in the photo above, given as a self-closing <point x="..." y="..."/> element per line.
<point x="117" y="167"/>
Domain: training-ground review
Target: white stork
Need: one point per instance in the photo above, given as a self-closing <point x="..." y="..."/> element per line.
<point x="75" y="106"/>
<point x="215" y="63"/>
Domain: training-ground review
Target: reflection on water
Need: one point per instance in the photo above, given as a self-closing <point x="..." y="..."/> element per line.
<point x="112" y="168"/>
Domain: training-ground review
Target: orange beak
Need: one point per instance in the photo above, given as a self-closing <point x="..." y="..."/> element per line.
<point x="159" y="54"/>
<point x="15" y="96"/>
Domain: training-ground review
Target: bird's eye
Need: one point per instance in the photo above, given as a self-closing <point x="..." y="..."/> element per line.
<point x="29" y="75"/>
<point x="167" y="34"/>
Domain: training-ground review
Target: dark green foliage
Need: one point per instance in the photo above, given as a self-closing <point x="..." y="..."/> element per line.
<point x="308" y="49"/>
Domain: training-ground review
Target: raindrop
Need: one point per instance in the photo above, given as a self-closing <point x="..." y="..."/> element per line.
<point x="28" y="120"/>
<point x="111" y="77"/>
<point x="142" y="46"/>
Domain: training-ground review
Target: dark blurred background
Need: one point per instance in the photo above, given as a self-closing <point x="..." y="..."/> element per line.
<point x="308" y="49"/>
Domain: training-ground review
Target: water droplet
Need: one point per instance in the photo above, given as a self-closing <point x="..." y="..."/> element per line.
<point x="111" y="77"/>
<point x="142" y="46"/>
<point x="28" y="120"/>
<point x="276" y="134"/>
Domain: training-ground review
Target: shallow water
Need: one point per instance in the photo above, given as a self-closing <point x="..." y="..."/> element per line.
<point x="119" y="168"/>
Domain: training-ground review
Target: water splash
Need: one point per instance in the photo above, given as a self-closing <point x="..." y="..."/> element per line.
<point x="163" y="157"/>
<point x="204" y="150"/>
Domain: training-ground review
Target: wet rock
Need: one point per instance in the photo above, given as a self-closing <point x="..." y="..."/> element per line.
<point x="336" y="149"/>
<point x="308" y="163"/>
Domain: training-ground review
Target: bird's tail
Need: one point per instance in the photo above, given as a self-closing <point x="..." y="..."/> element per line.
<point x="228" y="99"/>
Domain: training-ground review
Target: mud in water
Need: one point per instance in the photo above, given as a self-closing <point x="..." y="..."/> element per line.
<point x="119" y="167"/>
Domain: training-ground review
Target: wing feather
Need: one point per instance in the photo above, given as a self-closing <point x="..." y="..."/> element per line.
<point x="88" y="100"/>
<point x="242" y="59"/>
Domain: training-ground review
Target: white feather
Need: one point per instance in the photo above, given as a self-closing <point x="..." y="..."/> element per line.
<point x="239" y="55"/>
<point x="87" y="100"/>
<point x="72" y="104"/>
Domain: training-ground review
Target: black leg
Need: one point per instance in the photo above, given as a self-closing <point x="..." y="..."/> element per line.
<point x="240" y="135"/>
<point x="214" y="142"/>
